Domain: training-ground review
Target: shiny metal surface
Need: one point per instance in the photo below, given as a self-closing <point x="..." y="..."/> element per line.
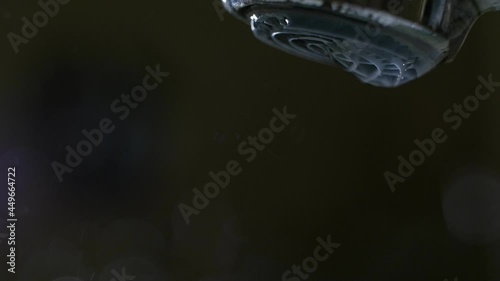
<point x="384" y="43"/>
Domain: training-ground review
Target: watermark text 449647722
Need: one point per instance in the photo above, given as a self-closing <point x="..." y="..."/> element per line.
<point x="11" y="221"/>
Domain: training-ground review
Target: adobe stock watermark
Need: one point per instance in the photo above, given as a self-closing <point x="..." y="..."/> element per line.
<point x="49" y="9"/>
<point x="117" y="276"/>
<point x="249" y="149"/>
<point x="372" y="28"/>
<point x="454" y="117"/>
<point x="122" y="107"/>
<point x="311" y="264"/>
<point x="121" y="277"/>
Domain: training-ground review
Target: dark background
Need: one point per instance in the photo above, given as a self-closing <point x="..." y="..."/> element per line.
<point x="322" y="176"/>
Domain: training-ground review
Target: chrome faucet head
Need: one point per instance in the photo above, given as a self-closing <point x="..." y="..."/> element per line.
<point x="385" y="43"/>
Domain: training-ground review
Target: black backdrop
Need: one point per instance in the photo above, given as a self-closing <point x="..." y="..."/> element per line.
<point x="322" y="176"/>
